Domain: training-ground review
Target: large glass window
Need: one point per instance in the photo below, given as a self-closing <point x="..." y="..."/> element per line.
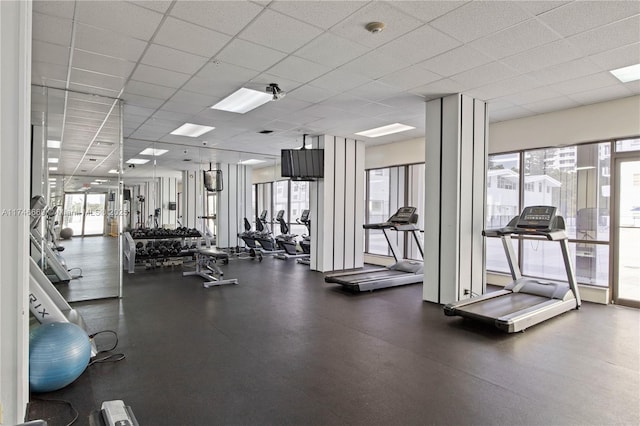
<point x="378" y="190"/>
<point x="576" y="180"/>
<point x="503" y="203"/>
<point x="299" y="201"/>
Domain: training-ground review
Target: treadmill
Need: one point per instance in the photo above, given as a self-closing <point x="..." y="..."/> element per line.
<point x="526" y="301"/>
<point x="404" y="271"/>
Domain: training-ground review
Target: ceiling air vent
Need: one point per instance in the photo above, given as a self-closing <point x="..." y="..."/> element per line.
<point x="265" y="132"/>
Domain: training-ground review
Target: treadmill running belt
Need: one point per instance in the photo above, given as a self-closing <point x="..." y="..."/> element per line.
<point x="491" y="309"/>
<point x="365" y="276"/>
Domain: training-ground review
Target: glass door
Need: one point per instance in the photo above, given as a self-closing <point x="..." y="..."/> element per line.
<point x="74" y="212"/>
<point x="626" y="287"/>
<point x="85" y="213"/>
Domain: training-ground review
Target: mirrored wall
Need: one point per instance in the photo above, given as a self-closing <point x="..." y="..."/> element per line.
<point x="76" y="164"/>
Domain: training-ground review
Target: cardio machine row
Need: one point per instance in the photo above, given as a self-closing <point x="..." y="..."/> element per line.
<point x="283" y="246"/>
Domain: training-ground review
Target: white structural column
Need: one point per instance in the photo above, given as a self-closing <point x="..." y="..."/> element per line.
<point x="168" y="194"/>
<point x="337" y="206"/>
<point x="234" y="204"/>
<point x="456" y="158"/>
<point x="15" y="106"/>
<point x="192" y="198"/>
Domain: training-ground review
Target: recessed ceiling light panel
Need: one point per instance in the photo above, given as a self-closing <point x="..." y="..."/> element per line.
<point x="154" y="151"/>
<point x="627" y="74"/>
<point x="138" y="161"/>
<point x="250" y="162"/>
<point x="53" y="144"/>
<point x="192" y="130"/>
<point x="243" y="100"/>
<point x="385" y="130"/>
<point x="53" y="160"/>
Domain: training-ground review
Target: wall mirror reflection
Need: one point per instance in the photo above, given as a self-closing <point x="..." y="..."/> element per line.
<point x="76" y="156"/>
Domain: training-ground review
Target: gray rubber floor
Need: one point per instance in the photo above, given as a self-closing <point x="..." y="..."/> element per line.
<point x="283" y="347"/>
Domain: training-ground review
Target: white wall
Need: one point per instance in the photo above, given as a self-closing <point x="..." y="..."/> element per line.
<point x="266" y="174"/>
<point x="15" y="107"/>
<point x="393" y="154"/>
<point x="597" y="122"/>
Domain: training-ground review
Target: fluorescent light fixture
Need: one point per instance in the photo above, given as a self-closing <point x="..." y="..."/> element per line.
<point x="95" y="183"/>
<point x="138" y="161"/>
<point x="102" y="180"/>
<point x="250" y="162"/>
<point x="585" y="168"/>
<point x="114" y="171"/>
<point x="53" y="160"/>
<point x="52" y="179"/>
<point x="243" y="100"/>
<point x="53" y="144"/>
<point x="192" y="130"/>
<point x="154" y="151"/>
<point x="385" y="130"/>
<point x="627" y="74"/>
<point x="53" y="169"/>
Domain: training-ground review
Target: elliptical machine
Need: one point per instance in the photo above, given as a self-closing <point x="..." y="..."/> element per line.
<point x="286" y="241"/>
<point x="305" y="244"/>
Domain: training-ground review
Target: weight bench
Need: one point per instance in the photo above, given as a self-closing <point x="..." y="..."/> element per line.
<point x="206" y="267"/>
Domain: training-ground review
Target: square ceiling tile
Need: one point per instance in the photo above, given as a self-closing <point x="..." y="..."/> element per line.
<point x="181" y="107"/>
<point x="539" y="7"/>
<point x="439" y="89"/>
<point x="108" y="43"/>
<point x="504" y="88"/>
<point x="311" y="94"/>
<point x="618" y="58"/>
<point x="585" y="83"/>
<point x="172" y="59"/>
<point x="427" y="11"/>
<point x="51" y="29"/>
<point x="228" y="77"/>
<point x="191" y="98"/>
<point x="513" y="40"/>
<point x="191" y="38"/>
<point x="410" y="77"/>
<point x="316" y="12"/>
<point x="579" y="16"/>
<point x="51" y="53"/>
<point x="331" y="50"/>
<point x="228" y="17"/>
<point x="157" y="5"/>
<point x="119" y="17"/>
<point x="250" y="55"/>
<point x="340" y="81"/>
<point x="564" y="71"/>
<point x="94" y="79"/>
<point x="530" y="96"/>
<point x="135" y="87"/>
<point x="396" y="23"/>
<point x="455" y="61"/>
<point x="549" y="105"/>
<point x="608" y="37"/>
<point x="100" y="63"/>
<point x="61" y="9"/>
<point x="298" y="69"/>
<point x="418" y="45"/>
<point x="142" y="101"/>
<point x="291" y="35"/>
<point x="374" y="91"/>
<point x="484" y="74"/>
<point x="373" y="65"/>
<point x="159" y="76"/>
<point x="543" y="56"/>
<point x="480" y="18"/>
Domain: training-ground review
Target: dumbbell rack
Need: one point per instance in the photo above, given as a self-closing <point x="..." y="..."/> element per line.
<point x="131" y="256"/>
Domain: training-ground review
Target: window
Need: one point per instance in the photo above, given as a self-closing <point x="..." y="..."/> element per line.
<point x="575" y="180"/>
<point x="628" y="145"/>
<point x="378" y="191"/>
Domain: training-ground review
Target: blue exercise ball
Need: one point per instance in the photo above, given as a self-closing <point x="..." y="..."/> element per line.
<point x="58" y="353"/>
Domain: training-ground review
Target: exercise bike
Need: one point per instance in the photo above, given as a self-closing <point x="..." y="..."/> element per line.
<point x="287" y="242"/>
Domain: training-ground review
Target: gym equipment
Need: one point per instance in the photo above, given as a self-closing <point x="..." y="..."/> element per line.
<point x="263" y="235"/>
<point x="305" y="244"/>
<point x="206" y="267"/>
<point x="286" y="241"/>
<point x="526" y="301"/>
<point x="47" y="304"/>
<point x="42" y="251"/>
<point x="404" y="271"/>
<point x="58" y="353"/>
<point x="66" y="233"/>
<point x="113" y="413"/>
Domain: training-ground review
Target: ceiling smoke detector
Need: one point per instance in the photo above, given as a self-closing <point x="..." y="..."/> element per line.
<point x="274" y="90"/>
<point x="374" y="27"/>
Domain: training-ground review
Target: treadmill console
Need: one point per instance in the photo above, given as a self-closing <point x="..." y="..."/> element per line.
<point x="536" y="217"/>
<point x="404" y="215"/>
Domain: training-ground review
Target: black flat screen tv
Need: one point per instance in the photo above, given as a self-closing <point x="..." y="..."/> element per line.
<point x="213" y="180"/>
<point x="302" y="164"/>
